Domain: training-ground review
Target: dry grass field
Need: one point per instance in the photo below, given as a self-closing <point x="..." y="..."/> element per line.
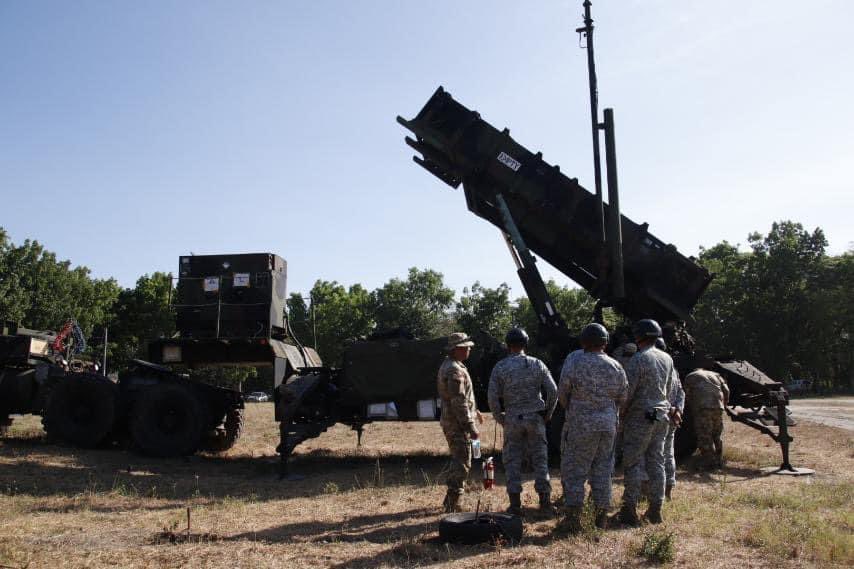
<point x="377" y="506"/>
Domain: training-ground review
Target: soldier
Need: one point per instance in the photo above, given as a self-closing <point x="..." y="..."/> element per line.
<point x="459" y="415"/>
<point x="519" y="380"/>
<point x="624" y="353"/>
<point x="677" y="406"/>
<point x="646" y="414"/>
<point x="707" y="394"/>
<point x="592" y="388"/>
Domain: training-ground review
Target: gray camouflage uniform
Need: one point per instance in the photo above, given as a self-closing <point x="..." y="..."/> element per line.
<point x="459" y="414"/>
<point x="677" y="400"/>
<point x="518" y="380"/>
<point x="650" y="374"/>
<point x="592" y="388"/>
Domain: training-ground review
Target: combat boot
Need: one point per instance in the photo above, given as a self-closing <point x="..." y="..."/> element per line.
<point x="667" y="492"/>
<point x="601" y="520"/>
<point x="515" y="508"/>
<point x="653" y="513"/>
<point x="571" y="522"/>
<point x="546" y="504"/>
<point x="451" y="503"/>
<point x="628" y="514"/>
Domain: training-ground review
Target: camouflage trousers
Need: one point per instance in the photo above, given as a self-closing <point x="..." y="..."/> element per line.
<point x="709" y="427"/>
<point x="586" y="455"/>
<point x="525" y="435"/>
<point x="643" y="458"/>
<point x="459" y="464"/>
<point x="670" y="456"/>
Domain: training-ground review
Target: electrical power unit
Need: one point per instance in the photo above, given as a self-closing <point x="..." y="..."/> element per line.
<point x="231" y="296"/>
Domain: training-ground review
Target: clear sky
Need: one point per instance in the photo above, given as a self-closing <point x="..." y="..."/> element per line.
<point x="134" y="132"/>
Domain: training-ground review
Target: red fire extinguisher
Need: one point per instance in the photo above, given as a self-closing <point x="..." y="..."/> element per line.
<point x="488" y="473"/>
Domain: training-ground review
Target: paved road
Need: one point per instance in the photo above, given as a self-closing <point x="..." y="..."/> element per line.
<point x="833" y="411"/>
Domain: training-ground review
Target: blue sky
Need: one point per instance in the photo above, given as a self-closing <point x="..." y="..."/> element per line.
<point x="134" y="132"/>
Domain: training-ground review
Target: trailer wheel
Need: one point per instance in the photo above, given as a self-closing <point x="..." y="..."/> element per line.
<point x="225" y="437"/>
<point x="470" y="528"/>
<point x="168" y="419"/>
<point x="81" y="410"/>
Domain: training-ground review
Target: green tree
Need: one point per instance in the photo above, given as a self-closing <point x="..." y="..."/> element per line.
<point x="335" y="317"/>
<point x="42" y="292"/>
<point x="781" y="271"/>
<point x="785" y="305"/>
<point x="575" y="305"/>
<point x="419" y="304"/>
<point x="141" y="314"/>
<point x="485" y="309"/>
<point x="299" y="318"/>
<point x="719" y="315"/>
<point x="832" y="310"/>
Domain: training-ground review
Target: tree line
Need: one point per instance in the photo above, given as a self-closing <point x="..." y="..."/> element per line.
<point x="784" y="304"/>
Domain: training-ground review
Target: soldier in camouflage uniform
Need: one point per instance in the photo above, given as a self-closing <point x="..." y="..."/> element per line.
<point x="592" y="389"/>
<point x="677" y="407"/>
<point x="707" y="394"/>
<point x="459" y="415"/>
<point x="647" y="415"/>
<point x="515" y="399"/>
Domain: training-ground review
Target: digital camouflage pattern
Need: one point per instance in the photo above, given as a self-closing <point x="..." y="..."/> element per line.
<point x="525" y="435"/>
<point x="519" y="381"/>
<point x="583" y="456"/>
<point x="458" y="420"/>
<point x="705" y="390"/>
<point x="650" y="374"/>
<point x="592" y="388"/>
<point x="706" y="393"/>
<point x="709" y="426"/>
<point x="677" y="400"/>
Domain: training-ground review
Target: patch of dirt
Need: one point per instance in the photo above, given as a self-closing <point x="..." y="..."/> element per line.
<point x="831" y="411"/>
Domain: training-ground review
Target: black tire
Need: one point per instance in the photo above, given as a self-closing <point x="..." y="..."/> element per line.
<point x="81" y="410"/>
<point x="486" y="527"/>
<point x="168" y="419"/>
<point x="225" y="437"/>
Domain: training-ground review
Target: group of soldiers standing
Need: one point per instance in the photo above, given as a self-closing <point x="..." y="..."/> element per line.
<point x="637" y="394"/>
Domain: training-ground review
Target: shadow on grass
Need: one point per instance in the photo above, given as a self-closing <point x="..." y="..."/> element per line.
<point x="412" y="536"/>
<point x="35" y="467"/>
<point x="692" y="472"/>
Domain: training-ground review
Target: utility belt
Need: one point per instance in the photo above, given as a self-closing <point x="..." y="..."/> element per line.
<point x="521" y="416"/>
<point x="656" y="414"/>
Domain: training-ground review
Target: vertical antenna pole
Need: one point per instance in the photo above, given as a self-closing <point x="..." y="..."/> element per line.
<point x="587" y="30"/>
<point x="615" y="230"/>
<point x="104" y="363"/>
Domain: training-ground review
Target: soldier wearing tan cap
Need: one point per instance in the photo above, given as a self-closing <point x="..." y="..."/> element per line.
<point x="460" y="416"/>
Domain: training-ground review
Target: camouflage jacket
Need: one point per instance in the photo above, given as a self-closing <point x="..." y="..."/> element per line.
<point x="705" y="389"/>
<point x="519" y="380"/>
<point x="592" y="388"/>
<point x="459" y="409"/>
<point x="650" y="373"/>
<point x="677" y="394"/>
